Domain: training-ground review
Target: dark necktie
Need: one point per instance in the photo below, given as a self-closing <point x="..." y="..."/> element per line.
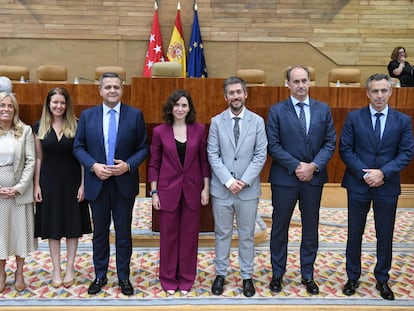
<point x="302" y="118"/>
<point x="236" y="129"/>
<point x="377" y="128"/>
<point x="111" y="137"/>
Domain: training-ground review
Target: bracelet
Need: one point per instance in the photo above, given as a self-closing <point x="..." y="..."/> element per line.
<point x="152" y="192"/>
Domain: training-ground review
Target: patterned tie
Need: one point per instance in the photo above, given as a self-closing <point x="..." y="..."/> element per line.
<point x="377" y="128"/>
<point x="111" y="137"/>
<point x="302" y="118"/>
<point x="236" y="129"/>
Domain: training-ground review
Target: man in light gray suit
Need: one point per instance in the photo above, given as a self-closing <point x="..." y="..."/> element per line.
<point x="237" y="151"/>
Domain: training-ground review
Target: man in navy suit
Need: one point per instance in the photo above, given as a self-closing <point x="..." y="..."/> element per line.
<point x="374" y="153"/>
<point x="302" y="140"/>
<point x="111" y="178"/>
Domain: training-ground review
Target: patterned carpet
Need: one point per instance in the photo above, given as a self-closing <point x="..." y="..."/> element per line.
<point x="329" y="274"/>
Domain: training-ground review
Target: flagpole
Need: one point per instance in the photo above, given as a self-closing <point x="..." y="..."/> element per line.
<point x="155" y="51"/>
<point x="176" y="48"/>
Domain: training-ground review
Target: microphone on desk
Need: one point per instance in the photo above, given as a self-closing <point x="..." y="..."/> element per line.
<point x="86" y="79"/>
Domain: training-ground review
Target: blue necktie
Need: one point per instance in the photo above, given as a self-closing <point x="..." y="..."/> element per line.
<point x="302" y="118"/>
<point x="236" y="129"/>
<point x="111" y="137"/>
<point x="377" y="128"/>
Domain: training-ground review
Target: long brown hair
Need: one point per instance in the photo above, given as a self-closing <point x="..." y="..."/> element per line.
<point x="69" y="119"/>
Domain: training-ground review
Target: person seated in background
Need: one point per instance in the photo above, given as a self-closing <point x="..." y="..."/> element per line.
<point x="5" y="85"/>
<point x="399" y="68"/>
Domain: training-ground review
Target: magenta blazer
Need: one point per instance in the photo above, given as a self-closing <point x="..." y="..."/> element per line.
<point x="173" y="178"/>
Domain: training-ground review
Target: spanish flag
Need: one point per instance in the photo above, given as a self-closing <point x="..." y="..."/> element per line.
<point x="176" y="48"/>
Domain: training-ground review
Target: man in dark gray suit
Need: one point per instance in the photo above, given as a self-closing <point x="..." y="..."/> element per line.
<point x="237" y="152"/>
<point x="376" y="144"/>
<point x="302" y="139"/>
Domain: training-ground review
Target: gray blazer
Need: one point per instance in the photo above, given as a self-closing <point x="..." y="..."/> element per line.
<point x="244" y="162"/>
<point x="24" y="165"/>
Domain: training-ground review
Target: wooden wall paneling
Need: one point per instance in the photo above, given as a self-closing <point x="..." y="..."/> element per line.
<point x="404" y="97"/>
<point x="336" y="167"/>
<point x="149" y="94"/>
<point x="208" y="97"/>
<point x="407" y="175"/>
<point x="326" y="26"/>
<point x="352" y="97"/>
<point x="328" y="95"/>
<point x="30" y="98"/>
<point x="261" y="98"/>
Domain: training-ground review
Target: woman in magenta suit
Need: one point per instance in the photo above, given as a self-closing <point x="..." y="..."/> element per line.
<point x="179" y="175"/>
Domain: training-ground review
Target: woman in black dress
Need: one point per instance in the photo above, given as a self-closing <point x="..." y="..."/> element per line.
<point x="61" y="211"/>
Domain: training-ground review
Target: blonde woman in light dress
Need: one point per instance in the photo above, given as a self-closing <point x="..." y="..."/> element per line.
<point x="17" y="163"/>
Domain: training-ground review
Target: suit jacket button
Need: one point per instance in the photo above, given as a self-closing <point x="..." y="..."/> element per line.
<point x="235" y="159"/>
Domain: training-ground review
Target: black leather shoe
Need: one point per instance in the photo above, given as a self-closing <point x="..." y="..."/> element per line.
<point x="350" y="287"/>
<point x="126" y="287"/>
<point x="96" y="285"/>
<point x="311" y="286"/>
<point x="248" y="288"/>
<point x="385" y="290"/>
<point x="218" y="285"/>
<point x="276" y="284"/>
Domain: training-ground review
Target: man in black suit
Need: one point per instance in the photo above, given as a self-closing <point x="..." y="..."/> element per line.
<point x="376" y="144"/>
<point x="302" y="139"/>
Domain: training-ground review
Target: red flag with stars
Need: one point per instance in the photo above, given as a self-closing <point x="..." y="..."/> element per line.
<point x="155" y="52"/>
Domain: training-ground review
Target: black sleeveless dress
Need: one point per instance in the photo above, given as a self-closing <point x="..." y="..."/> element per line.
<point x="60" y="214"/>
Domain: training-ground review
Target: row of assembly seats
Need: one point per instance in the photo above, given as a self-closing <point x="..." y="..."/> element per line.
<point x="347" y="77"/>
<point x="52" y="73"/>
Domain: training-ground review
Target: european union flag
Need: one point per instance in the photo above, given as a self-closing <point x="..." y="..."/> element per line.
<point x="196" y="62"/>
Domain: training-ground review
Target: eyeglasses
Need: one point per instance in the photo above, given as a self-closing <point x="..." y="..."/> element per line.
<point x="401" y="52"/>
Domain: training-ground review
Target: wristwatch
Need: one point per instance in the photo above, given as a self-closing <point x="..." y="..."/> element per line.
<point x="152" y="192"/>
